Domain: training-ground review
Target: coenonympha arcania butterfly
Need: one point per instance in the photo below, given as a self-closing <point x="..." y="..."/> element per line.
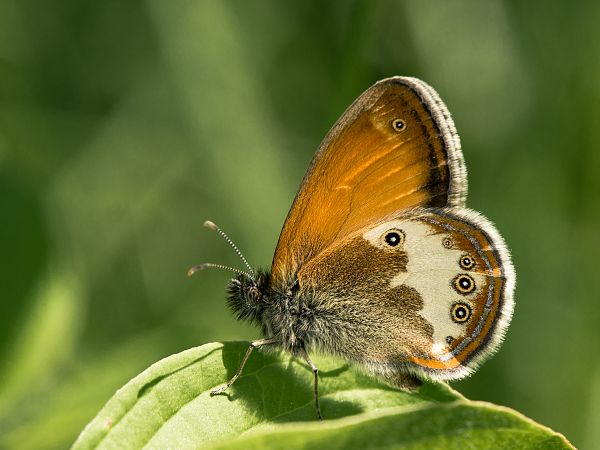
<point x="379" y="261"/>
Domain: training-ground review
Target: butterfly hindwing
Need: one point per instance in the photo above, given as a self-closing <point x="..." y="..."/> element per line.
<point x="434" y="285"/>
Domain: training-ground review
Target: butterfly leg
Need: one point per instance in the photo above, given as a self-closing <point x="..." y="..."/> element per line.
<point x="316" y="383"/>
<point x="253" y="345"/>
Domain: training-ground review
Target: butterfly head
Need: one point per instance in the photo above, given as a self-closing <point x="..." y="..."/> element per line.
<point x="247" y="296"/>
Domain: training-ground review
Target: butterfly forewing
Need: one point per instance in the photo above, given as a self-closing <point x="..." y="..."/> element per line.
<point x="395" y="148"/>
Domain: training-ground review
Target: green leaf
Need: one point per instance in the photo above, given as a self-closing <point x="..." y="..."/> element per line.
<point x="271" y="405"/>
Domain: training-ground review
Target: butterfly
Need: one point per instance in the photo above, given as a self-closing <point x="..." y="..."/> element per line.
<point x="379" y="261"/>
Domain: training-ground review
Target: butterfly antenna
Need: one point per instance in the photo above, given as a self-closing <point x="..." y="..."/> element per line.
<point x="213" y="226"/>
<point x="200" y="267"/>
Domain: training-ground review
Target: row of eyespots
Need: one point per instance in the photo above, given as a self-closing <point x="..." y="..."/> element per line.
<point x="460" y="312"/>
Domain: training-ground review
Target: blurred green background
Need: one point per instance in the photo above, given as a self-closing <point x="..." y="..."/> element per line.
<point x="125" y="124"/>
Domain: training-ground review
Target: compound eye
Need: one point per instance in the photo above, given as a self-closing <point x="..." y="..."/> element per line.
<point x="393" y="238"/>
<point x="460" y="312"/>
<point x="254" y="293"/>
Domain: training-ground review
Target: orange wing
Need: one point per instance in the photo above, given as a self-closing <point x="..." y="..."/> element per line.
<point x="394" y="148"/>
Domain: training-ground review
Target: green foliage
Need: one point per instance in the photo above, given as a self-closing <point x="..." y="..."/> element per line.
<point x="271" y="406"/>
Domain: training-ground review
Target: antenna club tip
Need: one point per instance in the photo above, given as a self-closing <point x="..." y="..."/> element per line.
<point x="195" y="269"/>
<point x="210" y="224"/>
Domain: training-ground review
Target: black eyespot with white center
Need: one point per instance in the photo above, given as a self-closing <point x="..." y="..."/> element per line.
<point x="449" y="340"/>
<point x="460" y="312"/>
<point x="393" y="238"/>
<point x="464" y="284"/>
<point x="466" y="262"/>
<point x="447" y="242"/>
<point x="398" y="125"/>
